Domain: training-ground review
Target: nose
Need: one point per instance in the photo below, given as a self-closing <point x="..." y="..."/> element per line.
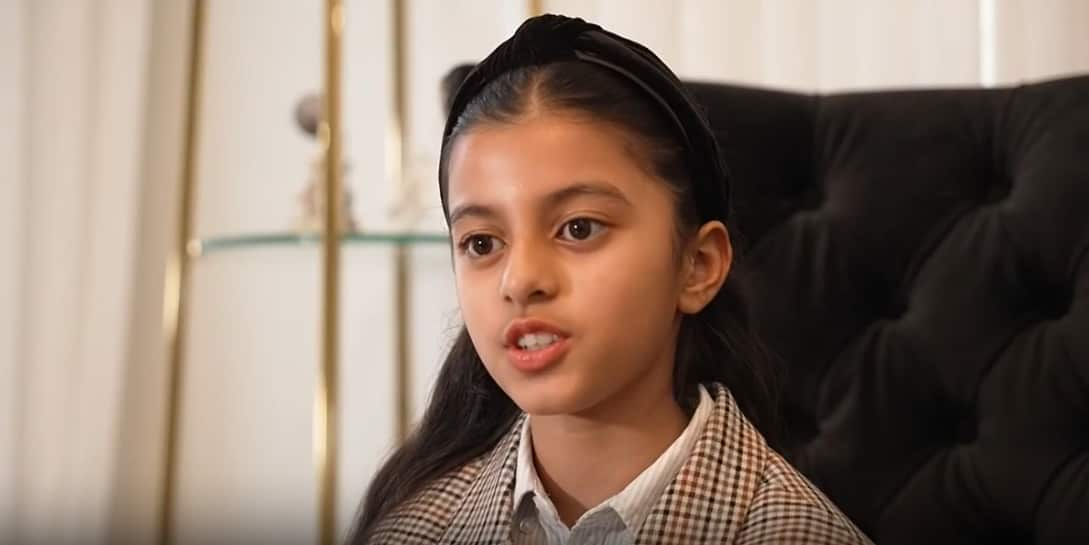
<point x="530" y="275"/>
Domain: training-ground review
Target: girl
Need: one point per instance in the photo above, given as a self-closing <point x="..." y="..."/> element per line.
<point x="606" y="387"/>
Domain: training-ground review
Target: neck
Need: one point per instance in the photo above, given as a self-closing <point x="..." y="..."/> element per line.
<point x="584" y="459"/>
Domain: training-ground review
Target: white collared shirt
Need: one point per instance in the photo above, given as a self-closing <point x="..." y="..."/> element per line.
<point x="615" y="521"/>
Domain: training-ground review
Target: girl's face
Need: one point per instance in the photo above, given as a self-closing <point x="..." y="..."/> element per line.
<point x="564" y="259"/>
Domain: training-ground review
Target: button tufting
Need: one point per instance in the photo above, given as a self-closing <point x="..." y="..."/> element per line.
<point x="895" y="311"/>
<point x="967" y="429"/>
<point x="922" y="282"/>
<point x="998" y="190"/>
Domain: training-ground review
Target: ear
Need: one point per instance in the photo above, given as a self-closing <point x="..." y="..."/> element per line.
<point x="706" y="265"/>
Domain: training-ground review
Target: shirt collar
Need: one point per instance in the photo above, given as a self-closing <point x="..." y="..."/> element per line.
<point x="527" y="484"/>
<point x="635" y="501"/>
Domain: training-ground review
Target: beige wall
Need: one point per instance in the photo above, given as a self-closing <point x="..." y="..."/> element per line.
<point x="830" y="45"/>
<point x="1036" y="39"/>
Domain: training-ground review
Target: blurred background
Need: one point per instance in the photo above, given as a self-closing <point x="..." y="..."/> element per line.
<point x="92" y="133"/>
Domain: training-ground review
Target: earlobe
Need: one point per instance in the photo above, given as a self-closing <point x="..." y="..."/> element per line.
<point x="707" y="265"/>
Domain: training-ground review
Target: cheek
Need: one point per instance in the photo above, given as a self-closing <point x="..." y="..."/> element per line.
<point x="633" y="281"/>
<point x="476" y="294"/>
<point x="465" y="280"/>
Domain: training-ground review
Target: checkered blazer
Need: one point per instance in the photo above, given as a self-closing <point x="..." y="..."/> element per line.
<point x="733" y="489"/>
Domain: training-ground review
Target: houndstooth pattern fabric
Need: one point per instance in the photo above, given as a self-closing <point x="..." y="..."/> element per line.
<point x="733" y="489"/>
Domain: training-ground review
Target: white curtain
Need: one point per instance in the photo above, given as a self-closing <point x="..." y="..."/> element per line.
<point x="73" y="111"/>
<point x="12" y="195"/>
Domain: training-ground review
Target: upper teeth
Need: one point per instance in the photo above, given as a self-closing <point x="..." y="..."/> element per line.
<point x="534" y="341"/>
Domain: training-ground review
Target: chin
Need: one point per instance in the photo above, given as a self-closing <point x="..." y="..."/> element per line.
<point x="550" y="395"/>
<point x="543" y="407"/>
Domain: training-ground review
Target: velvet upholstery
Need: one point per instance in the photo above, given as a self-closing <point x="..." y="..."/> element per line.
<point x="919" y="262"/>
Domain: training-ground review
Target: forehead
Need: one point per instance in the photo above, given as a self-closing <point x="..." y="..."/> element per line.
<point x="540" y="154"/>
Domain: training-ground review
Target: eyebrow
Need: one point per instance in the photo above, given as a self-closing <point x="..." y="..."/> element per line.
<point x="552" y="200"/>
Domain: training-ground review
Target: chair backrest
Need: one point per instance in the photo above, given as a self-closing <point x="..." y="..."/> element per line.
<point x="919" y="262"/>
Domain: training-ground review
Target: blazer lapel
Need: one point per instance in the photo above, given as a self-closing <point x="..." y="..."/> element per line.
<point x="485" y="513"/>
<point x="708" y="500"/>
<point x="705" y="503"/>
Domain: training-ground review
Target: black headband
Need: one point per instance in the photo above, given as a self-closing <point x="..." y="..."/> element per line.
<point x="551" y="38"/>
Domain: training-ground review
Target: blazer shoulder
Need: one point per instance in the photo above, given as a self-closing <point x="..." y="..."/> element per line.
<point x="788" y="509"/>
<point x="424" y="518"/>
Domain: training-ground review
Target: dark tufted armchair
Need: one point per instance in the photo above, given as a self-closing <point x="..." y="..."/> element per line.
<point x="920" y="263"/>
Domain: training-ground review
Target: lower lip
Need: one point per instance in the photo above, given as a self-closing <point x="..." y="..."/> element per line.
<point x="529" y="361"/>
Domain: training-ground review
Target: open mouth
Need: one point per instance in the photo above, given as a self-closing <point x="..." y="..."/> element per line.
<point x="532" y="342"/>
<point x="537" y="356"/>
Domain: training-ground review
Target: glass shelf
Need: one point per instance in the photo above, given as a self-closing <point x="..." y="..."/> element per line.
<point x="204" y="246"/>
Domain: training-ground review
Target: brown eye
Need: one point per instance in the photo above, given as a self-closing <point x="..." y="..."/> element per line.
<point x="480" y="245"/>
<point x="581" y="229"/>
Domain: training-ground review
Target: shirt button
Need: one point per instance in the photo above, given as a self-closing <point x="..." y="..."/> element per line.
<point x="525" y="526"/>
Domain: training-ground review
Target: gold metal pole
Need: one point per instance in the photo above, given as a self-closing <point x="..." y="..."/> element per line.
<point x="325" y="397"/>
<point x="402" y="259"/>
<point x="176" y="277"/>
<point x="536" y="7"/>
